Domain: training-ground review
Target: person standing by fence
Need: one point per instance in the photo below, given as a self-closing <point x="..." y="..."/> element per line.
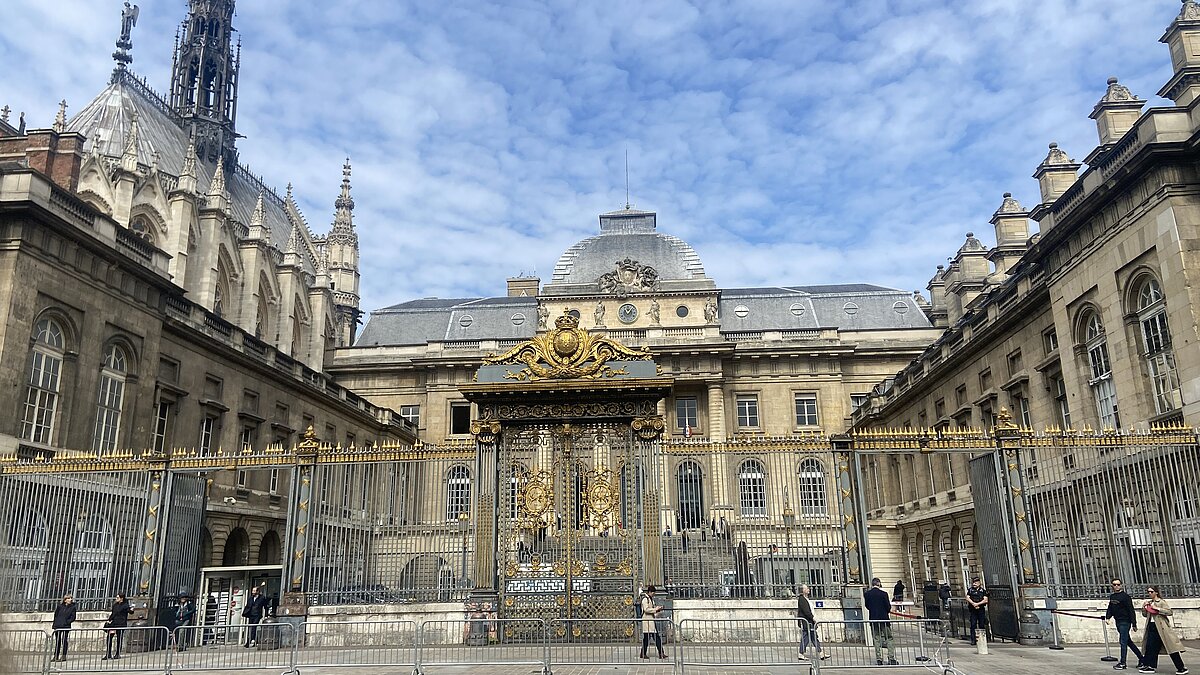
<point x="649" y="611"/>
<point x="118" y="619"/>
<point x="977" y="601"/>
<point x="808" y="625"/>
<point x="256" y="605"/>
<point x="1160" y="637"/>
<point x="879" y="608"/>
<point x="1120" y="610"/>
<point x="64" y="616"/>
<point x="183" y="617"/>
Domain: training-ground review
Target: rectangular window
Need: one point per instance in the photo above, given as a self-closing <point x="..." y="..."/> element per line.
<point x="747" y="410"/>
<point x="985" y="380"/>
<point x="162" y="422"/>
<point x="685" y="413"/>
<point x="858" y="400"/>
<point x="1050" y="341"/>
<point x="960" y="395"/>
<point x="108" y="411"/>
<point x="1059" y="386"/>
<point x="246" y="440"/>
<point x="350" y="478"/>
<point x="212" y="388"/>
<point x="806" y="410"/>
<point x="208" y="432"/>
<point x="1015" y="364"/>
<point x="273" y="485"/>
<point x="242" y="477"/>
<point x="1021" y="404"/>
<point x="460" y="418"/>
<point x="412" y="413"/>
<point x="939" y="408"/>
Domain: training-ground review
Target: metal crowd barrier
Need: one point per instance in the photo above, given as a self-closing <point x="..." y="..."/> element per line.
<point x="738" y="642"/>
<point x="356" y="644"/>
<point x="482" y="642"/>
<point x="195" y="648"/>
<point x="606" y="642"/>
<point x="911" y="643"/>
<point x="141" y="650"/>
<point x="25" y="650"/>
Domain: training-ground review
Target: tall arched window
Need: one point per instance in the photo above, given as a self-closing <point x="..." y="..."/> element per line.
<point x="458" y="492"/>
<point x="45" y="376"/>
<point x="689" y="479"/>
<point x="752" y="489"/>
<point x="1156" y="346"/>
<point x="24" y="558"/>
<point x="108" y="407"/>
<point x="221" y="292"/>
<point x="1100" y="379"/>
<point x="92" y="559"/>
<point x="813" y="499"/>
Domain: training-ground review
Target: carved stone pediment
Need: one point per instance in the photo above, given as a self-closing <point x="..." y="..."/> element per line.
<point x="630" y="276"/>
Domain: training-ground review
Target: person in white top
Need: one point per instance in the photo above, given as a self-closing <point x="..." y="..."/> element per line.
<point x="650" y="610"/>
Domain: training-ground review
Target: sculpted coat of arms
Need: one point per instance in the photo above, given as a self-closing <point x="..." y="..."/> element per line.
<point x="567" y="352"/>
<point x="630" y="276"/>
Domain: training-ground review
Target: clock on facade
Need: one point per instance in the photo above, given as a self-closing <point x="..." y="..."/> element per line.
<point x="627" y="313"/>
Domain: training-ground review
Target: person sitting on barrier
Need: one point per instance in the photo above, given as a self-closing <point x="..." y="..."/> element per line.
<point x="808" y="625"/>
<point x="253" y="612"/>
<point x="1160" y="636"/>
<point x="118" y="619"/>
<point x="1120" y="610"/>
<point x="64" y="616"/>
<point x="879" y="607"/>
<point x="183" y="617"/>
<point x="649" y="612"/>
<point x="977" y="600"/>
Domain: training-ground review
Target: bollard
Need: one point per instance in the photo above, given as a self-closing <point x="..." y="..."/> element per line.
<point x="1054" y="628"/>
<point x="1108" y="657"/>
<point x="981" y="646"/>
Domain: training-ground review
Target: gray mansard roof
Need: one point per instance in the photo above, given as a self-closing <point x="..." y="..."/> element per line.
<point x="843" y="306"/>
<point x="628" y="234"/>
<point x="107" y="118"/>
<point x="436" y="320"/>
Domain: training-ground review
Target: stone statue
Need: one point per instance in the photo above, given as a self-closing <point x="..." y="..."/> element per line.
<point x="129" y="17"/>
<point x="710" y="311"/>
<point x="543" y="316"/>
<point x="599" y="314"/>
<point x="653" y="312"/>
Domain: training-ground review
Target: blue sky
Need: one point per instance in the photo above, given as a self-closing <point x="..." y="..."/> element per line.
<point x="790" y="142"/>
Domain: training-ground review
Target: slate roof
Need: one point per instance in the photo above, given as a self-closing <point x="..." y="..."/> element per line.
<point x="843" y="306"/>
<point x="108" y="116"/>
<point x="434" y="320"/>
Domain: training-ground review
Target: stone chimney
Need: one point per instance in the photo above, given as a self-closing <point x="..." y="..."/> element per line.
<point x="1055" y="175"/>
<point x="1011" y="221"/>
<point x="523" y="287"/>
<point x="1183" y="38"/>
<point x="967" y="277"/>
<point x="1116" y="113"/>
<point x="57" y="155"/>
<point x="937" y="298"/>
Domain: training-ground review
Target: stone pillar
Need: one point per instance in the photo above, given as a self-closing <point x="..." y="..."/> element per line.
<point x="647" y="434"/>
<point x="853" y="519"/>
<point x="716" y="412"/>
<point x="143" y="603"/>
<point x="299" y="520"/>
<point x="487" y="448"/>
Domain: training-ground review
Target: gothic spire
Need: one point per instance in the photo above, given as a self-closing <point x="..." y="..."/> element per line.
<point x="60" y="120"/>
<point x="343" y="219"/>
<point x="217" y="187"/>
<point x="204" y="78"/>
<point x="129" y="17"/>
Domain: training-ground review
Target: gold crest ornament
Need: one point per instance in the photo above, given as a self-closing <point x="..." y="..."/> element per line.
<point x="567" y="352"/>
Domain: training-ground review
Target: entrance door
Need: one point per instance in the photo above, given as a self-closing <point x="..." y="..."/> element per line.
<point x="994" y="540"/>
<point x="570" y="538"/>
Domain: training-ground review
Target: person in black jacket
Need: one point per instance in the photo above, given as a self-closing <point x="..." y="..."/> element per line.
<point x="977" y="602"/>
<point x="64" y="616"/>
<point x="184" y="614"/>
<point x="808" y="625"/>
<point x="118" y="619"/>
<point x="879" y="609"/>
<point x="1120" y="610"/>
<point x="898" y="591"/>
<point x="256" y="606"/>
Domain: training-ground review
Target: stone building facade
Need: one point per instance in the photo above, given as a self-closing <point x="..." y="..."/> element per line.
<point x="1086" y="326"/>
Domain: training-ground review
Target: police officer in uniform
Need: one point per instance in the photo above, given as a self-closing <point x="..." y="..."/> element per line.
<point x="977" y="600"/>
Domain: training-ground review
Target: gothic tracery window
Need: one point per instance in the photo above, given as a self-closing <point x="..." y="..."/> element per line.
<point x="45" y="375"/>
<point x="1156" y="346"/>
<point x="142" y="229"/>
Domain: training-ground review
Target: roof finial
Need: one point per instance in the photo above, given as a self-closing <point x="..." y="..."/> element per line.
<point x="256" y="218"/>
<point x="343" y="218"/>
<point x="129" y="17"/>
<point x="4" y="112"/>
<point x="627" y="178"/>
<point x="60" y="120"/>
<point x="217" y="187"/>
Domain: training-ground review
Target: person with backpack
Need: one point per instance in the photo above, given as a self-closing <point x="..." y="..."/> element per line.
<point x="649" y="610"/>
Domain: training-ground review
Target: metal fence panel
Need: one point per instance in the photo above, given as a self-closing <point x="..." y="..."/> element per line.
<point x="356" y="643"/>
<point x="858" y="644"/>
<point x="480" y="642"/>
<point x="606" y="641"/>
<point x="739" y="642"/>
<point x="223" y="648"/>
<point x="141" y="649"/>
<point x="25" y="650"/>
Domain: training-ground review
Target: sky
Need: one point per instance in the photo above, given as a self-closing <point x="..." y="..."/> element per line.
<point x="790" y="142"/>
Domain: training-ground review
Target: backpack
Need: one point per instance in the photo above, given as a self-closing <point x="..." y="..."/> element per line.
<point x="637" y="607"/>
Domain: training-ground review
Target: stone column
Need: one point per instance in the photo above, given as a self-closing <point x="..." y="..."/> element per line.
<point x="484" y="599"/>
<point x="143" y="603"/>
<point x="716" y="412"/>
<point x="293" y="603"/>
<point x="647" y="435"/>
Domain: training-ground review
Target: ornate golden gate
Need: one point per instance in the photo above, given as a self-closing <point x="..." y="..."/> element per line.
<point x="570" y="541"/>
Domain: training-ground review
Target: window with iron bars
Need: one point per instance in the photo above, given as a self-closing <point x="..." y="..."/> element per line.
<point x="752" y="492"/>
<point x="813" y="498"/>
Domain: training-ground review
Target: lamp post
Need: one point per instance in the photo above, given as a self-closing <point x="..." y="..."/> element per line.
<point x="463" y="517"/>
<point x="789" y="521"/>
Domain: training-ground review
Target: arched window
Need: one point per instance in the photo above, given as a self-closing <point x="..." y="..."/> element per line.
<point x="813" y="499"/>
<point x="45" y="376"/>
<point x="142" y="229"/>
<point x="458" y="493"/>
<point x="260" y="319"/>
<point x="92" y="559"/>
<point x="752" y="489"/>
<point x="221" y="292"/>
<point x="24" y="559"/>
<point x="108" y="407"/>
<point x="689" y="479"/>
<point x="1156" y="346"/>
<point x="1100" y="379"/>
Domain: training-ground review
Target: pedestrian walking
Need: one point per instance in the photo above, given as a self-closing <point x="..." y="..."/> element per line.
<point x="878" y="614"/>
<point x="64" y="616"/>
<point x="253" y="612"/>
<point x="1160" y="636"/>
<point x="1120" y="610"/>
<point x="649" y="611"/>
<point x="898" y="591"/>
<point x="114" y="627"/>
<point x="977" y="601"/>
<point x="808" y="625"/>
<point x="183" y="616"/>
